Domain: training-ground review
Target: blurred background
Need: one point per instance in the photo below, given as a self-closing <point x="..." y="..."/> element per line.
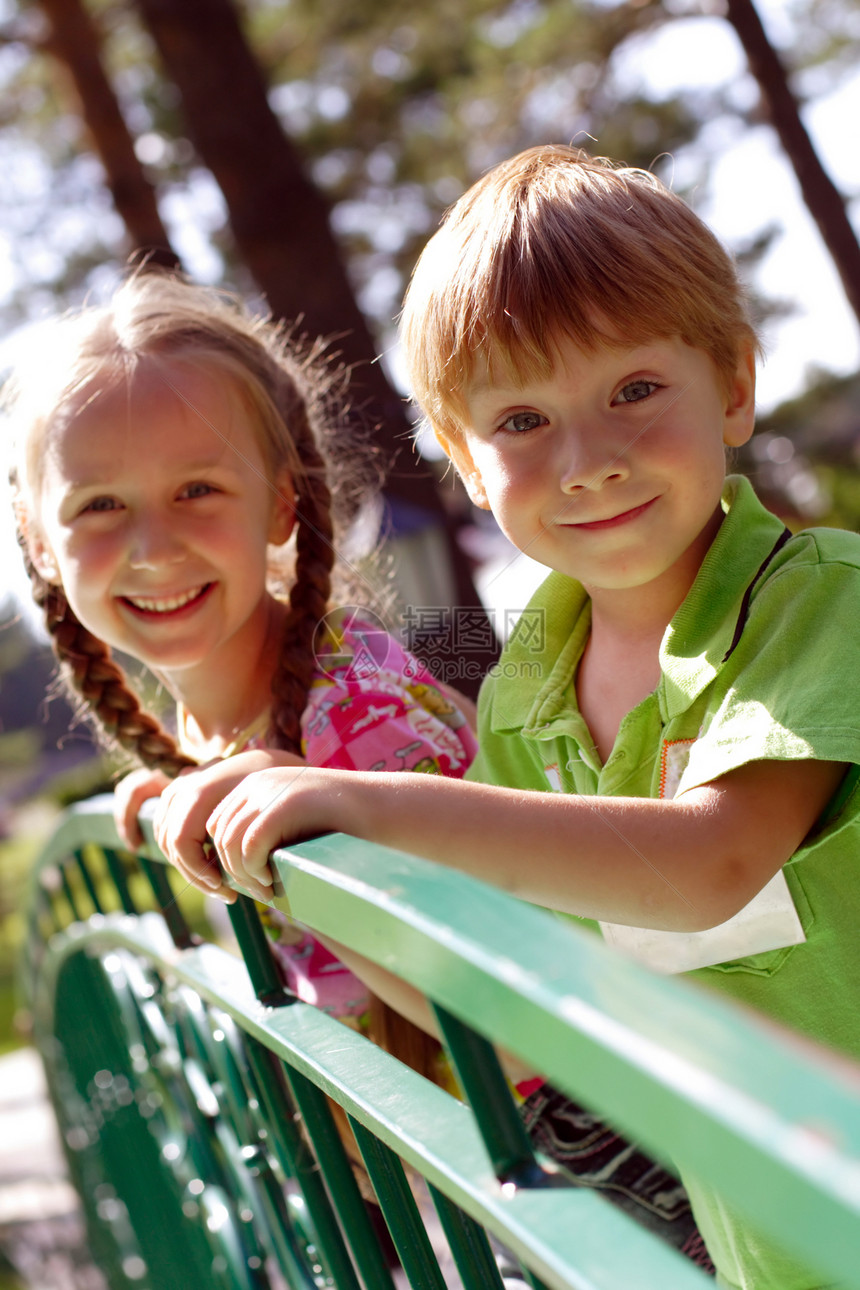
<point x="302" y="153"/>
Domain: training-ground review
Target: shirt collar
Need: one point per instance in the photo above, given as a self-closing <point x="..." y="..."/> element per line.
<point x="533" y="678"/>
<point x="701" y="632"/>
<point x="540" y="657"/>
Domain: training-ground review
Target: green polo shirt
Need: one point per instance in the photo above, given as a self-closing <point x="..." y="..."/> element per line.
<point x="762" y="660"/>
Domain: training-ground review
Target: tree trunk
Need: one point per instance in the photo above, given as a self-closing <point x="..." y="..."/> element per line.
<point x="74" y="41"/>
<point x="823" y="199"/>
<point x="280" y="223"/>
<point x="279" y="218"/>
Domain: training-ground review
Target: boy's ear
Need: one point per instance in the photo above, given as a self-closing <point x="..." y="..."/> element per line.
<point x="459" y="454"/>
<point x="283" y="517"/>
<point x="740" y="403"/>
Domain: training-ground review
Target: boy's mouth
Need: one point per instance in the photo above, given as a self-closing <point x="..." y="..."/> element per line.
<point x="623" y="518"/>
<point x="166" y="604"/>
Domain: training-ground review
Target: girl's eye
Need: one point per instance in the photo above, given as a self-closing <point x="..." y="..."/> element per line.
<point x="100" y="504"/>
<point x="635" y="391"/>
<point x="522" y="422"/>
<point x="198" y="489"/>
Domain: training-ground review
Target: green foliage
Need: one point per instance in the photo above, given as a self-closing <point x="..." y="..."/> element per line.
<point x="804" y="455"/>
<point x="399" y="112"/>
<point x="842" y="487"/>
<point x="8" y="1278"/>
<point x="17" y="856"/>
<point x="396" y="112"/>
<point x="57" y="217"/>
<point x="829" y="31"/>
<point x="20" y="748"/>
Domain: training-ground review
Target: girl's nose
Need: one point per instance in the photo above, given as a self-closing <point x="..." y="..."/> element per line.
<point x="590" y="462"/>
<point x="153" y="544"/>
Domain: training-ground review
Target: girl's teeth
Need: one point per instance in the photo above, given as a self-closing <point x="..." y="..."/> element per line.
<point x="163" y="605"/>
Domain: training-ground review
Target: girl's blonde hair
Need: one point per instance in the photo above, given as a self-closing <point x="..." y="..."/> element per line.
<point x="557" y="244"/>
<point x="290" y="398"/>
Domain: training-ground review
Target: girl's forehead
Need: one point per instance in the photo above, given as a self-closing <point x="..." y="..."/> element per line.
<point x="182" y="414"/>
<point x="152" y="381"/>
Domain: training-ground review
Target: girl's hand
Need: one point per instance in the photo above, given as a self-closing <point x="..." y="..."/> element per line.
<point x="276" y="806"/>
<point x="186" y="804"/>
<point x="129" y="796"/>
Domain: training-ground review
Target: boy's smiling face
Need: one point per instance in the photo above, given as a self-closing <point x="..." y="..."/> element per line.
<point x="610" y="470"/>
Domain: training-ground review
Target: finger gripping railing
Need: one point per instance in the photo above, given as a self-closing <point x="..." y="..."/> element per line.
<point x="194" y="1094"/>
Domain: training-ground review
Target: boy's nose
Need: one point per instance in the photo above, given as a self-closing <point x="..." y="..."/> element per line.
<point x="153" y="544"/>
<point x="590" y="462"/>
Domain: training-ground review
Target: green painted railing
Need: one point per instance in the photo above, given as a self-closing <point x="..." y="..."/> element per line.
<point x="193" y="1094"/>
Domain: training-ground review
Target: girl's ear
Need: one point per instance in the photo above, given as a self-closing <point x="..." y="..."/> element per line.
<point x="739" y="420"/>
<point x="44" y="563"/>
<point x="459" y="454"/>
<point x="40" y="553"/>
<point x="283" y="517"/>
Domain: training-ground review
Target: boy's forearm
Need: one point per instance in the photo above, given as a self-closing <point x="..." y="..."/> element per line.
<point x="595" y="857"/>
<point x="679" y="865"/>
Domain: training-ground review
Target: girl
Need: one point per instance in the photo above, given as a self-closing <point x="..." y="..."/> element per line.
<point x="167" y="445"/>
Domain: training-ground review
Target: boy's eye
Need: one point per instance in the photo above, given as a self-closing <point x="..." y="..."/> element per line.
<point x="635" y="391"/>
<point x="522" y="422"/>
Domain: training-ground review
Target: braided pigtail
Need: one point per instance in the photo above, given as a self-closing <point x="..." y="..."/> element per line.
<point x="309" y="594"/>
<point x="98" y="683"/>
<point x="303" y="402"/>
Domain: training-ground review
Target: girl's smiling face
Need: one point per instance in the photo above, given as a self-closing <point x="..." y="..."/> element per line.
<point x="155" y="509"/>
<point x="611" y="469"/>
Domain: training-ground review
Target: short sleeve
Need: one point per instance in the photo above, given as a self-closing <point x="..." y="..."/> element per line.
<point x="373" y="706"/>
<point x="789" y="689"/>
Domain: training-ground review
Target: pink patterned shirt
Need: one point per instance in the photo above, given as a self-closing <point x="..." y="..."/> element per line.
<point x="371" y="706"/>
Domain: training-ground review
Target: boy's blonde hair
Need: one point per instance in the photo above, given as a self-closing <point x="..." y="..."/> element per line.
<point x="558" y="244"/>
<point x="163" y="320"/>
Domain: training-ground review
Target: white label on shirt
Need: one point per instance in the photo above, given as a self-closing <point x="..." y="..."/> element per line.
<point x="554" y="778"/>
<point x="673" y="762"/>
<point x="768" y="922"/>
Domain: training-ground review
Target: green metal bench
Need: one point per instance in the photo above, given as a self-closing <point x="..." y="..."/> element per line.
<point x="191" y="1091"/>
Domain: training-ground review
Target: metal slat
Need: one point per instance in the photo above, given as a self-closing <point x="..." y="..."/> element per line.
<point x="484" y="1083"/>
<point x="298" y="1163"/>
<point x="340" y="1179"/>
<point x="469" y="1246"/>
<point x="116" y="870"/>
<point x="157" y="876"/>
<point x="401" y="1213"/>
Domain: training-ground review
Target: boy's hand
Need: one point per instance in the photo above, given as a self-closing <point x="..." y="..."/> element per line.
<point x="186" y="804"/>
<point x="129" y="796"/>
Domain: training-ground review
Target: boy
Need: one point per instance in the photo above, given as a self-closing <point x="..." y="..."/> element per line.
<point x="578" y="341"/>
